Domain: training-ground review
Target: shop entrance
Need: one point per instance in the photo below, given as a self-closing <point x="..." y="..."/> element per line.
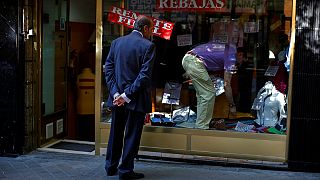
<point x="68" y="36"/>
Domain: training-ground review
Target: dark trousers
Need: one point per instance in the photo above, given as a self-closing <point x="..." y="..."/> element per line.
<point x="124" y="138"/>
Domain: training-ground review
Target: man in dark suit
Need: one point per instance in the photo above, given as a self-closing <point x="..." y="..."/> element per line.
<point x="128" y="70"/>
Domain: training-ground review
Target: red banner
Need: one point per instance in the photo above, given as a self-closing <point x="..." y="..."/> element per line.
<point x="193" y="5"/>
<point x="127" y="18"/>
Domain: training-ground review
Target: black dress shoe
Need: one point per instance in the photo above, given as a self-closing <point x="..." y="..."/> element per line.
<point x="111" y="172"/>
<point x="131" y="175"/>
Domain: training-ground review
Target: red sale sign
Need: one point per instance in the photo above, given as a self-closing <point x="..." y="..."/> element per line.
<point x="127" y="18"/>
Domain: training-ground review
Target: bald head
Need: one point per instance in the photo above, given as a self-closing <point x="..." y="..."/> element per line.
<point x="144" y="25"/>
<point x="142" y="21"/>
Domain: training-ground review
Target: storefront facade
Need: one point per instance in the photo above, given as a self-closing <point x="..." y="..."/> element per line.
<point x="258" y="26"/>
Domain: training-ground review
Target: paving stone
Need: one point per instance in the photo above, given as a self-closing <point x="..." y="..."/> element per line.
<point x="60" y="166"/>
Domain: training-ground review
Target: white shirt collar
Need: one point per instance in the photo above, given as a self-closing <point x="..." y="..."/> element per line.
<point x="138" y="32"/>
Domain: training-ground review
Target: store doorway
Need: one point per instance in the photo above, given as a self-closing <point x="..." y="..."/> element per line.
<point x="68" y="62"/>
<point x="54" y="58"/>
<point x="81" y="69"/>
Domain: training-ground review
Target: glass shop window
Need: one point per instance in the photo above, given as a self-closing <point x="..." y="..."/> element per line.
<point x="225" y="66"/>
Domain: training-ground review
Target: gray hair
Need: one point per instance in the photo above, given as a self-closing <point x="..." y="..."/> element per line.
<point x="141" y="22"/>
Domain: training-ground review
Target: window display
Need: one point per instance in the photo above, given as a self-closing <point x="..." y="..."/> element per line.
<point x="269" y="105"/>
<point x="226" y="42"/>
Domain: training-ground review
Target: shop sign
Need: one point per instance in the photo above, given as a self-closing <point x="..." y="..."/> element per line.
<point x="251" y="27"/>
<point x="193" y="5"/>
<point x="145" y="7"/>
<point x="242" y="6"/>
<point x="184" y="40"/>
<point x="275" y="25"/>
<point x="271" y="71"/>
<point x="127" y="18"/>
<point x="251" y="6"/>
<point x="220" y="38"/>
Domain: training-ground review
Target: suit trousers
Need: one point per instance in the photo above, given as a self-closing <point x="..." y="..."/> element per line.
<point x="204" y="87"/>
<point x="124" y="139"/>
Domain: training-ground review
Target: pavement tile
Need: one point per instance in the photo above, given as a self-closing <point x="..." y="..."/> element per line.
<point x="60" y="166"/>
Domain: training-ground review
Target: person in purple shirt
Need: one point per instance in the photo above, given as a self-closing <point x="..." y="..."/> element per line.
<point x="197" y="62"/>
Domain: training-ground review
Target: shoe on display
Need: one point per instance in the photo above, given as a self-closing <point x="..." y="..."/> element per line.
<point x="218" y="124"/>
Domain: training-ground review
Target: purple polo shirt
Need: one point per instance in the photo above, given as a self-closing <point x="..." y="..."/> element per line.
<point x="217" y="57"/>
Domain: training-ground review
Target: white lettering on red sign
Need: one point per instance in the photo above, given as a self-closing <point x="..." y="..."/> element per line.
<point x="125" y="17"/>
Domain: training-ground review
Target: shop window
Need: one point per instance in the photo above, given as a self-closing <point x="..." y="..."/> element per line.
<point x="257" y="32"/>
<point x="54" y="56"/>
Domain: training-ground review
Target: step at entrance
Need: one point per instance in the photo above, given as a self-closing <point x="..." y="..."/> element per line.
<point x="71" y="146"/>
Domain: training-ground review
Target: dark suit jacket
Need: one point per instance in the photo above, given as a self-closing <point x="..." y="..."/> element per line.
<point x="128" y="69"/>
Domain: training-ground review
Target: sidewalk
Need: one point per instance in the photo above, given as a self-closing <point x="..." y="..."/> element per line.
<point x="53" y="165"/>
